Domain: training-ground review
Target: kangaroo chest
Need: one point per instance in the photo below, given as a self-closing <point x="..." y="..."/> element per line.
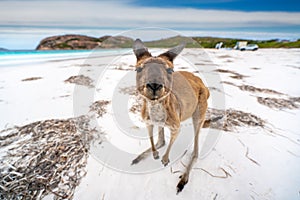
<point x="157" y="114"/>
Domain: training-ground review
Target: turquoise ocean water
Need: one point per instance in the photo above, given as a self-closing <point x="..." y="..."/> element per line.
<point x="21" y="57"/>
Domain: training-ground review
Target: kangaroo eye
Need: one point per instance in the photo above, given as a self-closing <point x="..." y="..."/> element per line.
<point x="170" y="70"/>
<point x="138" y="69"/>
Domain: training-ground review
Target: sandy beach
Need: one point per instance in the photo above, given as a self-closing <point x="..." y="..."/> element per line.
<point x="254" y="110"/>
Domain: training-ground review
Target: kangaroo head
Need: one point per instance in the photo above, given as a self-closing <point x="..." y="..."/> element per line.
<point x="154" y="73"/>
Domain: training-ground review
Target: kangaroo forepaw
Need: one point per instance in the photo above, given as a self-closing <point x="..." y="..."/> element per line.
<point x="165" y="160"/>
<point x="155" y="155"/>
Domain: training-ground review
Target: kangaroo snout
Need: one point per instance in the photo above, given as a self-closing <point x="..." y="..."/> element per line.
<point x="154" y="86"/>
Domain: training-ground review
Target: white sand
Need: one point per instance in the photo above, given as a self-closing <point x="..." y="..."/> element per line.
<point x="274" y="176"/>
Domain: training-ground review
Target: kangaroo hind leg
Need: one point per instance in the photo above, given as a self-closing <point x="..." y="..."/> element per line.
<point x="198" y="121"/>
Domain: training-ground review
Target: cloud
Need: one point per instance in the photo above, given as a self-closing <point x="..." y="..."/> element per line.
<point x="116" y="14"/>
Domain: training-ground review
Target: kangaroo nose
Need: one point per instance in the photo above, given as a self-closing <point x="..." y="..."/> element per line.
<point x="154" y="86"/>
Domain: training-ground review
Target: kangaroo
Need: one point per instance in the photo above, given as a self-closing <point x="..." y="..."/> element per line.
<point x="168" y="99"/>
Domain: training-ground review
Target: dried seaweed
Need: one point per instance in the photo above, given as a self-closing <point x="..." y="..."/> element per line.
<point x="124" y="67"/>
<point x="31" y="79"/>
<point x="250" y="88"/>
<point x="229" y="120"/>
<point x="44" y="157"/>
<point x="80" y="80"/>
<point x="238" y="76"/>
<point x="131" y="90"/>
<point x="234" y="75"/>
<point x="82" y="65"/>
<point x="137" y="105"/>
<point x="295" y="99"/>
<point x="255" y="68"/>
<point x="224" y="56"/>
<point x="136" y="108"/>
<point x="99" y="107"/>
<point x="278" y="103"/>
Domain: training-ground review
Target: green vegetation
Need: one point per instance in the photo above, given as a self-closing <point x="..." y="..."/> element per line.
<point x="210" y="42"/>
<point x="278" y="44"/>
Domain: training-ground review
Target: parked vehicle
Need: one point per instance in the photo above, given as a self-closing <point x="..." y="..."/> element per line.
<point x="243" y="46"/>
<point x="249" y="47"/>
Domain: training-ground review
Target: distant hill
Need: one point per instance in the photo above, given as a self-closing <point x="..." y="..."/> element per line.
<point x="86" y="42"/>
<point x="68" y="42"/>
<point x="116" y="42"/>
<point x="83" y="42"/>
<point x="2" y="49"/>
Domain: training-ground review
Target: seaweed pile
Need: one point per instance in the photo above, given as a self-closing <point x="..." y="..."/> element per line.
<point x="44" y="157"/>
<point x="230" y="119"/>
<point x="136" y="105"/>
<point x="271" y="102"/>
<point x="234" y="74"/>
<point x="99" y="107"/>
<point x="80" y="80"/>
<point x="253" y="89"/>
<point x="278" y="103"/>
<point x="131" y="90"/>
<point x="31" y="79"/>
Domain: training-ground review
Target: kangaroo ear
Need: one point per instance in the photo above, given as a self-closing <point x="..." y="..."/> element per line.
<point x="140" y="50"/>
<point x="173" y="53"/>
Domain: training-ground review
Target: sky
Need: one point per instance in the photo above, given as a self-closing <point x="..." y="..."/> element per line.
<point x="23" y="23"/>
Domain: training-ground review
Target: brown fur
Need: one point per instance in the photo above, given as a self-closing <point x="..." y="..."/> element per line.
<point x="187" y="98"/>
